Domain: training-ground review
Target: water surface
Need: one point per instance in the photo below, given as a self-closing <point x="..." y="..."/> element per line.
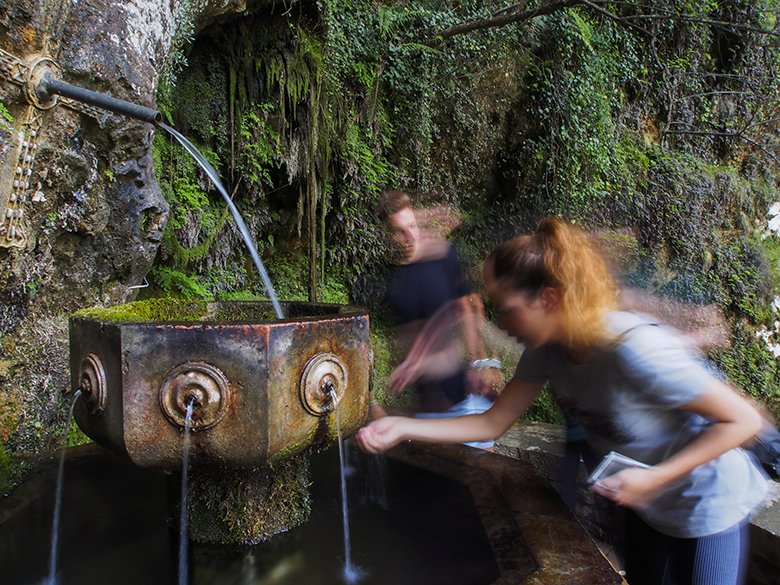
<point x="114" y="529"/>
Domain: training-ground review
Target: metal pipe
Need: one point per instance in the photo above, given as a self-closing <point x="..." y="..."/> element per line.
<point x="50" y="86"/>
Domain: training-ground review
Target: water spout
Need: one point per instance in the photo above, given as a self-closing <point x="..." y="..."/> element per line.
<point x="55" y="528"/>
<point x="49" y="87"/>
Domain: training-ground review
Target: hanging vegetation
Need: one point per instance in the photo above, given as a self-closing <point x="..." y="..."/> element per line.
<point x="658" y="120"/>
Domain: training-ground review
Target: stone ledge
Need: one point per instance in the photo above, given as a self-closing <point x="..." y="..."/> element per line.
<point x="542" y="446"/>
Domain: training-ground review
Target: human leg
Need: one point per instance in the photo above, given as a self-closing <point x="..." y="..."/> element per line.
<point x="718" y="559"/>
<point x="647" y="552"/>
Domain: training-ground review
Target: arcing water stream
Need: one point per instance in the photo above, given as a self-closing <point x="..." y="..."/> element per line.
<point x="352" y="574"/>
<point x="212" y="174"/>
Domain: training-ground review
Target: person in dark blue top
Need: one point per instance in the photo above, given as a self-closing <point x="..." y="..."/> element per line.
<point x="435" y="308"/>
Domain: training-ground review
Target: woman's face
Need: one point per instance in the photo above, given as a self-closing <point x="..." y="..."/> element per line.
<point x="532" y="321"/>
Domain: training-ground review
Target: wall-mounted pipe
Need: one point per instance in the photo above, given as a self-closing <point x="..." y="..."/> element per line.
<point x="50" y="86"/>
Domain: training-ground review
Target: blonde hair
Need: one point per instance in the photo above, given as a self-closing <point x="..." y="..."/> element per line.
<point x="563" y="257"/>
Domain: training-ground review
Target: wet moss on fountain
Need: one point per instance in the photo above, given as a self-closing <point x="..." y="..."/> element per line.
<point x="151" y="310"/>
<point x="247" y="506"/>
<point x="165" y="309"/>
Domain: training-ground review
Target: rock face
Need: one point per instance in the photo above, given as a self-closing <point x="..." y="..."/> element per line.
<point x="88" y="218"/>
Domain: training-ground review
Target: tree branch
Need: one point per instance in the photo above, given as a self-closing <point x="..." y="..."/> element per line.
<point x="517" y="13"/>
<point x="708" y="21"/>
<point x="618" y="19"/>
<point x="711" y="93"/>
<point x="500" y="19"/>
<point x="740" y="135"/>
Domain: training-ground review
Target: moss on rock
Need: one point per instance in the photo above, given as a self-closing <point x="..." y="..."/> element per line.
<point x="246" y="506"/>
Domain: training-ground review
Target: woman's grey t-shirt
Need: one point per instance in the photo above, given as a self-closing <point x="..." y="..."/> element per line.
<point x="628" y="398"/>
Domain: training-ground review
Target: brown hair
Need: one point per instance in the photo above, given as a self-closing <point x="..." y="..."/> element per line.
<point x="561" y="256"/>
<point x="391" y="202"/>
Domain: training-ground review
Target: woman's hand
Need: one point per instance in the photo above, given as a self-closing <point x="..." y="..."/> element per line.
<point x="634" y="487"/>
<point x="381" y="434"/>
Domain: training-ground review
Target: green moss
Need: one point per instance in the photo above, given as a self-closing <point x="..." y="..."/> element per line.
<point x="13" y="470"/>
<point x="237" y="311"/>
<point x="179" y="310"/>
<point x="231" y="506"/>
<point x="150" y="310"/>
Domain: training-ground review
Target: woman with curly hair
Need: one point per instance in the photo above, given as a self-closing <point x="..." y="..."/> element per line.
<point x="637" y="388"/>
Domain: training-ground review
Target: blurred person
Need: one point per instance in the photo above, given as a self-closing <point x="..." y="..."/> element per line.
<point x="704" y="327"/>
<point x="636" y="388"/>
<point x="437" y="314"/>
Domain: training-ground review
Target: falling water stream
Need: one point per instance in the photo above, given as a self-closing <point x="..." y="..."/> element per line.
<point x="55" y="527"/>
<point x="212" y="174"/>
<point x="184" y="519"/>
<point x="352" y="574"/>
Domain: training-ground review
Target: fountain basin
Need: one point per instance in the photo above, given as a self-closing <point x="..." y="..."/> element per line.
<point x="261" y="387"/>
<point x="434" y="515"/>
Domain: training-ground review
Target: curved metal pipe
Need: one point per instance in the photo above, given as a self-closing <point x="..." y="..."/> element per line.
<point x="50" y="86"/>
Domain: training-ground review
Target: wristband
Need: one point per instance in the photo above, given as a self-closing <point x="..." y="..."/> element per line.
<point x="485" y="363"/>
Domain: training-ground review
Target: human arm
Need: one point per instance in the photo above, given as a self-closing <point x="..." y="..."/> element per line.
<point x="382" y="434"/>
<point x="481" y="381"/>
<point x="431" y="354"/>
<point x="430" y="366"/>
<point x="434" y="355"/>
<point x="734" y="422"/>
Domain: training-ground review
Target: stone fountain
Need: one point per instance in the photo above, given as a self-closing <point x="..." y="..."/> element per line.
<point x="261" y="390"/>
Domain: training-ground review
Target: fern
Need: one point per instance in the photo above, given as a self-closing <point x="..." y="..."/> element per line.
<point x="176" y="283"/>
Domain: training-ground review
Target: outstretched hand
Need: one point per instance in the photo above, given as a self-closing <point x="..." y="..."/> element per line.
<point x="381" y="434"/>
<point x="634" y="487"/>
